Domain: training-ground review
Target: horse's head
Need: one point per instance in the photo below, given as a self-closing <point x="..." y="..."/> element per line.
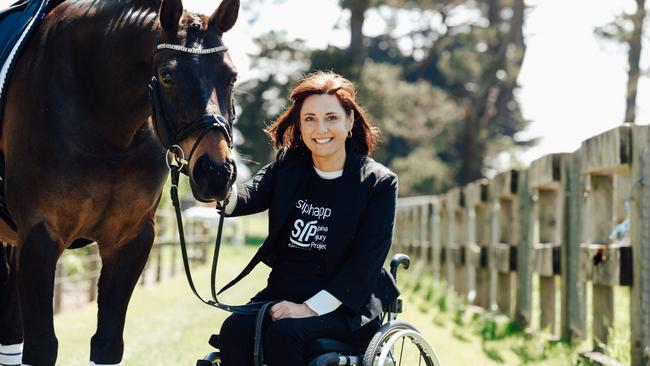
<point x="191" y="92"/>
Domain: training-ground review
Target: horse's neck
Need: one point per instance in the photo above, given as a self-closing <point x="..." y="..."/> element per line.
<point x="110" y="48"/>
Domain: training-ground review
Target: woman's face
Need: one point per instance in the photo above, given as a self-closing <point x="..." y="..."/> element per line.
<point x="324" y="126"/>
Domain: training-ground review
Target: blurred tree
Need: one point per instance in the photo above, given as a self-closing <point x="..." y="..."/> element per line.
<point x="445" y="102"/>
<point x="278" y="64"/>
<point x="356" y="50"/>
<point x="496" y="53"/>
<point x="414" y="118"/>
<point x="628" y="29"/>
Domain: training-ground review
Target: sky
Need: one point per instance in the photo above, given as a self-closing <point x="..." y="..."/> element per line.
<point x="572" y="84"/>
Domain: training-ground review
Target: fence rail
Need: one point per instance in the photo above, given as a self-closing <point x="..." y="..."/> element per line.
<point x="570" y="220"/>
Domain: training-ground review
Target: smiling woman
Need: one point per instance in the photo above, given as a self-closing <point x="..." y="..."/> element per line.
<point x="324" y="127"/>
<point x="325" y="108"/>
<point x="331" y="215"/>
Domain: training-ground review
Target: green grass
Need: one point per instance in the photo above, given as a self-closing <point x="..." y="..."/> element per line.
<point x="497" y="337"/>
<point x="462" y="335"/>
<point x="166" y="324"/>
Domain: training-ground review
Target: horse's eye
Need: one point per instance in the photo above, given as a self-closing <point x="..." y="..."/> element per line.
<point x="233" y="81"/>
<point x="166" y="77"/>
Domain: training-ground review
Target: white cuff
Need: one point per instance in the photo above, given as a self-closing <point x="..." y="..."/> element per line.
<point x="232" y="203"/>
<point x="11" y="354"/>
<point x="323" y="302"/>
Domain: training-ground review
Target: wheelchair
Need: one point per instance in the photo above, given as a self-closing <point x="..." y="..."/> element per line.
<point x="396" y="343"/>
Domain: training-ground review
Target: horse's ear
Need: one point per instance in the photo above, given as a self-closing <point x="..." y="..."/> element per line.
<point x="225" y="16"/>
<point x="170" y="14"/>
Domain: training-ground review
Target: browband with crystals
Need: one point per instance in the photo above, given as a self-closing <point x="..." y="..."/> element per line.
<point x="196" y="51"/>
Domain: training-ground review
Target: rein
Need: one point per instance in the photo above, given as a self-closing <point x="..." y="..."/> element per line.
<point x="177" y="164"/>
<point x="258" y="308"/>
<point x="247" y="309"/>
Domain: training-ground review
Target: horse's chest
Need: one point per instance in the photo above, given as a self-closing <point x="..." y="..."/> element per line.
<point x="109" y="204"/>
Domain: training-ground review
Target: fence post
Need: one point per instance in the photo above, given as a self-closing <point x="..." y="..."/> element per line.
<point x="403" y="230"/>
<point x="460" y="254"/>
<point x="469" y="244"/>
<point x="612" y="163"/>
<point x="158" y="248"/>
<point x="94" y="272"/>
<point x="58" y="286"/>
<point x="495" y="232"/>
<point x="640" y="221"/>
<point x="574" y="291"/>
<point x="435" y="236"/>
<point x="523" y="306"/>
<point x="425" y="244"/>
<point x="547" y="177"/>
<point x="503" y="240"/>
<point x="410" y="234"/>
<point x="641" y="353"/>
<point x="444" y="240"/>
<point x="452" y="200"/>
<point x="476" y="199"/>
<point x="396" y="243"/>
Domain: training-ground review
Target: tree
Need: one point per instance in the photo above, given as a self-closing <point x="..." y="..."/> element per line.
<point x="414" y="118"/>
<point x="628" y="29"/>
<point x="489" y="105"/>
<point x="279" y="63"/>
<point x="446" y="105"/>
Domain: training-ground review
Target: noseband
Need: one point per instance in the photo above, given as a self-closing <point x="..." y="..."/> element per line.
<point x="165" y="129"/>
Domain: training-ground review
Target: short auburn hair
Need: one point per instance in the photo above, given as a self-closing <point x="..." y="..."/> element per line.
<point x="285" y="131"/>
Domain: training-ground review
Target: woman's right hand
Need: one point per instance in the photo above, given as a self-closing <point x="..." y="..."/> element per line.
<point x="288" y="309"/>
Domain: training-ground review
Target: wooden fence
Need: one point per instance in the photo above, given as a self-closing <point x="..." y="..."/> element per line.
<point x="572" y="221"/>
<point x="78" y="270"/>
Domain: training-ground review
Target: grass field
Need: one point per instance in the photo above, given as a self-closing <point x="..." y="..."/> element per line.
<point x="166" y="325"/>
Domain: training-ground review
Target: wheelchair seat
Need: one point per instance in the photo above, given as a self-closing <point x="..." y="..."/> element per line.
<point x="327" y="345"/>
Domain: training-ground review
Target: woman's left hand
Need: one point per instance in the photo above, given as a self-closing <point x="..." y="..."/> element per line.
<point x="288" y="309"/>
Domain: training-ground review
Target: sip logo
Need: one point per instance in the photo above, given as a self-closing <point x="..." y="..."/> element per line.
<point x="303" y="232"/>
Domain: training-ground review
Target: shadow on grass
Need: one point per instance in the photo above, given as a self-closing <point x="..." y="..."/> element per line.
<point x="457" y="333"/>
<point x="492" y="353"/>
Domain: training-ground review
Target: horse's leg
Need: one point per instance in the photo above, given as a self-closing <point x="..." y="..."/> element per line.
<point x="120" y="271"/>
<point x="11" y="334"/>
<point x="37" y="258"/>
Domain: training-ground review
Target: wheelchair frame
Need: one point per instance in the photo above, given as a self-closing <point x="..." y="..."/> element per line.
<point x="379" y="351"/>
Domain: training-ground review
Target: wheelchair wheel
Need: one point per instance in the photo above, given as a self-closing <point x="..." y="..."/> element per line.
<point x="399" y="343"/>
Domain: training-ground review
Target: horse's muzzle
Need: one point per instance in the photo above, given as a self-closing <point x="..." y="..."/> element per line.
<point x="211" y="180"/>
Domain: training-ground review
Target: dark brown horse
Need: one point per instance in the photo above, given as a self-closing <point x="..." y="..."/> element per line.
<point x="86" y="162"/>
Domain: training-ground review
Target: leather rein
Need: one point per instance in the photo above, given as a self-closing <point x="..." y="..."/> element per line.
<point x="177" y="164"/>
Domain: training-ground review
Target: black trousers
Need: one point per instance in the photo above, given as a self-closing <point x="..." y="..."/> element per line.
<point x="285" y="341"/>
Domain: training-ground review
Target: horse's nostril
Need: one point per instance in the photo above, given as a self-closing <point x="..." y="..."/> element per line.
<point x="205" y="164"/>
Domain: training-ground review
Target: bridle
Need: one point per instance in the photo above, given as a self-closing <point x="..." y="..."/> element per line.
<point x="176" y="162"/>
<point x="166" y="130"/>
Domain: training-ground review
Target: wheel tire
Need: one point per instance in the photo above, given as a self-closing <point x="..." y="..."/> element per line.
<point x="390" y="329"/>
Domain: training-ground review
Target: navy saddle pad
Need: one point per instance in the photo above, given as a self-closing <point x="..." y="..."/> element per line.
<point x="17" y="23"/>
